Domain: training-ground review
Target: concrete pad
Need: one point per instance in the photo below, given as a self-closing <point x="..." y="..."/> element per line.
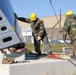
<point x="4" y="69"/>
<point x="39" y="66"/>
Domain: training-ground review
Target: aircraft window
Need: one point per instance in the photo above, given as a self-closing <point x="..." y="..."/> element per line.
<point x="7" y="39"/>
<point x="3" y="28"/>
<point x="0" y="18"/>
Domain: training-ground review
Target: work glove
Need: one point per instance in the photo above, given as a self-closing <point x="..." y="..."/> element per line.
<point x="38" y="38"/>
<point x="15" y="15"/>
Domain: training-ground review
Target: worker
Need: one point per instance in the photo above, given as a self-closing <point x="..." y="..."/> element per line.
<point x="17" y="48"/>
<point x="38" y="32"/>
<point x="70" y="29"/>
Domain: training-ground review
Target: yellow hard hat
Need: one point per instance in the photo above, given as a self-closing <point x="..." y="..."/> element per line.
<point x="69" y="13"/>
<point x="33" y="16"/>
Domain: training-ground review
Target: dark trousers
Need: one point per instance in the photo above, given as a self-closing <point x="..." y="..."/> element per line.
<point x="37" y="45"/>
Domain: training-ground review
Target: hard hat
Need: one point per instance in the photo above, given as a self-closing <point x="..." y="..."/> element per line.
<point x="69" y="13"/>
<point x="33" y="16"/>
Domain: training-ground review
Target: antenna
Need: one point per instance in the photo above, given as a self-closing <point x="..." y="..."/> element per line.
<point x="53" y="9"/>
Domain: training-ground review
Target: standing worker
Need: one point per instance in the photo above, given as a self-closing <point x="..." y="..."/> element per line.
<point x="38" y="32"/>
<point x="70" y="28"/>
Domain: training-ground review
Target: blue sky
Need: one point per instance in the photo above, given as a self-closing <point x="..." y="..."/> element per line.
<point x="42" y="8"/>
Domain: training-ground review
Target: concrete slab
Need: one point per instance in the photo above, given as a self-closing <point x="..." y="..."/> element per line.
<point x="39" y="66"/>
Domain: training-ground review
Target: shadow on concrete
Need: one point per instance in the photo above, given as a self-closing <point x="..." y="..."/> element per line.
<point x="34" y="56"/>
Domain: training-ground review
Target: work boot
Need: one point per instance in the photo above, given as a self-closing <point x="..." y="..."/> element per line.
<point x="38" y="54"/>
<point x="48" y="54"/>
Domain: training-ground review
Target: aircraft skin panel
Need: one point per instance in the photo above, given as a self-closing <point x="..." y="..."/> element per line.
<point x="10" y="33"/>
<point x="5" y="28"/>
<point x="7" y="9"/>
<point x="2" y="17"/>
<point x="9" y="39"/>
